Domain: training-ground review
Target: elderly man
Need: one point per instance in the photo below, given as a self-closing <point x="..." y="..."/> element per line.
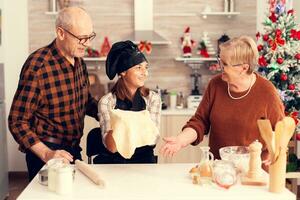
<point x="52" y="98"/>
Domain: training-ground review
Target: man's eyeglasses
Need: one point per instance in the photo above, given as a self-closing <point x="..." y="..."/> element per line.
<point x="222" y="65"/>
<point x="83" y="38"/>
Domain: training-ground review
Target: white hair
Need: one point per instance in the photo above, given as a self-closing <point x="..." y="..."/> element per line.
<point x="65" y="19"/>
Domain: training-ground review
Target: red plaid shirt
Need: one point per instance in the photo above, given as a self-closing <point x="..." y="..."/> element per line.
<point x="51" y="100"/>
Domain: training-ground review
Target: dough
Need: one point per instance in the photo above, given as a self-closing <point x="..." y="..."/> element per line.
<point x="132" y="129"/>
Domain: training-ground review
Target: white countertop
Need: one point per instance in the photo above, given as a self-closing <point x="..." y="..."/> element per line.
<point x="184" y="111"/>
<point x="150" y="181"/>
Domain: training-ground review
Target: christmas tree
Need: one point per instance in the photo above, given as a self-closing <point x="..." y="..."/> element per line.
<point x="279" y="56"/>
<point x="205" y="47"/>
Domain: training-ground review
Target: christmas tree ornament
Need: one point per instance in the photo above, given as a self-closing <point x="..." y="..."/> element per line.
<point x="90" y="52"/>
<point x="297" y="56"/>
<point x="187" y="44"/>
<point x="145" y="46"/>
<point x="205" y="47"/>
<point x="283" y="77"/>
<point x="291" y="12"/>
<point x="266" y="37"/>
<point x="105" y="47"/>
<point x="280" y="8"/>
<point x="273" y="17"/>
<point x="280" y="60"/>
<point x="260" y="47"/>
<point x="221" y="40"/>
<point x="277" y="32"/>
<point x="291" y="87"/>
<point x="262" y="61"/>
<point x="257" y="35"/>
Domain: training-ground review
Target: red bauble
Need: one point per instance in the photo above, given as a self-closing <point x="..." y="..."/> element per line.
<point x="283" y="77"/>
<point x="262" y="61"/>
<point x="298" y="136"/>
<point x="260" y="47"/>
<point x="266" y="37"/>
<point x="291" y="12"/>
<point x="291" y="87"/>
<point x="297" y="56"/>
<point x="280" y="60"/>
<point x="273" y="17"/>
<point x="278" y="32"/>
<point x="257" y="35"/>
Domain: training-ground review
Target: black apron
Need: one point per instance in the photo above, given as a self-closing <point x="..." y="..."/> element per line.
<point x="142" y="154"/>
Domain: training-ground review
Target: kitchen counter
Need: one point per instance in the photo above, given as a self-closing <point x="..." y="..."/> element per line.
<point x="150" y="181"/>
<point x="184" y="111"/>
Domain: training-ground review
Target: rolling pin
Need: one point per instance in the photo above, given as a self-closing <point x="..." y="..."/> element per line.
<point x="88" y="171"/>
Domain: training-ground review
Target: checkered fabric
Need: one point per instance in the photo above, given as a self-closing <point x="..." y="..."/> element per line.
<point x="51" y="100"/>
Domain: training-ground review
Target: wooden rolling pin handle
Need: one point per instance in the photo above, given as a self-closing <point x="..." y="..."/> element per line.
<point x="88" y="171"/>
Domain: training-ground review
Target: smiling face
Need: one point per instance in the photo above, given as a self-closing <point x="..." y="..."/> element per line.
<point x="136" y="76"/>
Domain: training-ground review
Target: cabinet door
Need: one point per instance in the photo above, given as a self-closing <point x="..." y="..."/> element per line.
<point x="171" y="126"/>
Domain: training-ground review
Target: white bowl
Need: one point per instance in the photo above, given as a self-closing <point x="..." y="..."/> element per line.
<point x="239" y="155"/>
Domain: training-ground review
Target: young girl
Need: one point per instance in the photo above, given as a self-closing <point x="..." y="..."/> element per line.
<point x="128" y="93"/>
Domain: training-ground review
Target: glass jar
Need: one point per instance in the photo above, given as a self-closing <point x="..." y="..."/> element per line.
<point x="205" y="168"/>
<point x="173" y="98"/>
<point x="224" y="173"/>
<point x="64" y="180"/>
<point x="52" y="166"/>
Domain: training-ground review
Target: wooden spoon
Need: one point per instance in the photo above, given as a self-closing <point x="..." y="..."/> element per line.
<point x="266" y="132"/>
<point x="279" y="133"/>
<point x="290" y="126"/>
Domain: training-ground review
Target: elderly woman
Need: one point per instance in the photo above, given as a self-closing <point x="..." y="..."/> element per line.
<point x="232" y="103"/>
<point x="130" y="94"/>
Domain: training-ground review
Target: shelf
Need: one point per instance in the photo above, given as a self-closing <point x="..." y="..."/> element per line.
<point x="195" y="59"/>
<point x="94" y="59"/>
<point x="51" y="13"/>
<point x="131" y="14"/>
<point x="292" y="175"/>
<point x="228" y="14"/>
<point x="175" y="14"/>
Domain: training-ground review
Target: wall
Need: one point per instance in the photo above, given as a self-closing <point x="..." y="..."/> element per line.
<point x="1" y="45"/>
<point x="15" y="51"/>
<point x="297" y="9"/>
<point x="261" y="12"/>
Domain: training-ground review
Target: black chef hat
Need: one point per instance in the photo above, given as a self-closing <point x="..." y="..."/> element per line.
<point x="122" y="56"/>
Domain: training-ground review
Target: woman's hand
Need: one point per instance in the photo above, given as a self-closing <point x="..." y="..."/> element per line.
<point x="172" y="145"/>
<point x="175" y="143"/>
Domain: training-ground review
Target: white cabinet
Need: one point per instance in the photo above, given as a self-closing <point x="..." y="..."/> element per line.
<point x="171" y="125"/>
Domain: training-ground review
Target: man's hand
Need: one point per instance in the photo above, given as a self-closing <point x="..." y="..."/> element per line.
<point x="58" y="154"/>
<point x="45" y="153"/>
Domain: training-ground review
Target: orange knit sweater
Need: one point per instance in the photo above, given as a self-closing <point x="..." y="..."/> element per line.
<point x="234" y="122"/>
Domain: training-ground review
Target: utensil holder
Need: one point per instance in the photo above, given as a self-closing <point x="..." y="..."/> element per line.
<point x="277" y="171"/>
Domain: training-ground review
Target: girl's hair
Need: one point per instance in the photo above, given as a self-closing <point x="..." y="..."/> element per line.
<point x="121" y="91"/>
<point x="241" y="50"/>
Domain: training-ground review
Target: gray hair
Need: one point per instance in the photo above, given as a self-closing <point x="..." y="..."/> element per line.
<point x="64" y="18"/>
